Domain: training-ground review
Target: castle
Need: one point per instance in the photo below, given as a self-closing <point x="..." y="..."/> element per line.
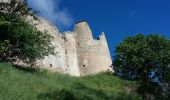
<point x="77" y="52"/>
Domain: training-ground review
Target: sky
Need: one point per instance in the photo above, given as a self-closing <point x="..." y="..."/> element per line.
<point x="117" y="18"/>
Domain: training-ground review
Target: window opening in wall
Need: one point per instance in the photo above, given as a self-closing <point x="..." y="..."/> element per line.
<point x="98" y="38"/>
<point x="51" y="65"/>
<point x="84" y="65"/>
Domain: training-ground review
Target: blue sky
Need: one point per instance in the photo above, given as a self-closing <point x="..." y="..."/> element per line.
<point x="117" y="18"/>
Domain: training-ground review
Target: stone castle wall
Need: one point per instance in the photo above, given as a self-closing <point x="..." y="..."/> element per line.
<point x="93" y="54"/>
<point x="77" y="53"/>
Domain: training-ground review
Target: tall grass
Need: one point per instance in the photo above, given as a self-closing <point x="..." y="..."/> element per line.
<point x="19" y="84"/>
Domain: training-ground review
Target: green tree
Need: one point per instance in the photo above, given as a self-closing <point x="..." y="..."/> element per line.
<point x="145" y="59"/>
<point x="20" y="40"/>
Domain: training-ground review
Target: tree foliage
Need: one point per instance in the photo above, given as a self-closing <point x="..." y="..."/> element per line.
<point x="145" y="58"/>
<point x="20" y="40"/>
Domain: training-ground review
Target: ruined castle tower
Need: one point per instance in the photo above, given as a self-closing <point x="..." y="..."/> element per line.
<point x="93" y="55"/>
<point x="77" y="52"/>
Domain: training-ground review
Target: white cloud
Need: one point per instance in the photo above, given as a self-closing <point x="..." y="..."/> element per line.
<point x="50" y="9"/>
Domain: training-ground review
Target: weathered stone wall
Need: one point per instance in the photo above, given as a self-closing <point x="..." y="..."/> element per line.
<point x="55" y="62"/>
<point x="105" y="54"/>
<point x="93" y="55"/>
<point x="76" y="53"/>
<point x="71" y="53"/>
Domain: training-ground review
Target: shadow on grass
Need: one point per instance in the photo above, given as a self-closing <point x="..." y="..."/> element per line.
<point x="82" y="92"/>
<point x="58" y="95"/>
<point x="27" y="69"/>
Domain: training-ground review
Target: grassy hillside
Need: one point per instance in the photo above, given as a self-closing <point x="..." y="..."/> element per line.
<point x="17" y="84"/>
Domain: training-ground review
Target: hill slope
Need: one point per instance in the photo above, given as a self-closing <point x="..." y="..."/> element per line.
<point x="17" y="84"/>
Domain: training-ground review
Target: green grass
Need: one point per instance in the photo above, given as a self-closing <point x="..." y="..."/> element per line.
<point x="17" y="84"/>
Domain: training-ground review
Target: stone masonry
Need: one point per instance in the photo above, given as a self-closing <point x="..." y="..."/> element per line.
<point x="77" y="52"/>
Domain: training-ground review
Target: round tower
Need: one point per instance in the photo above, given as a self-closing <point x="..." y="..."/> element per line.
<point x="84" y="34"/>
